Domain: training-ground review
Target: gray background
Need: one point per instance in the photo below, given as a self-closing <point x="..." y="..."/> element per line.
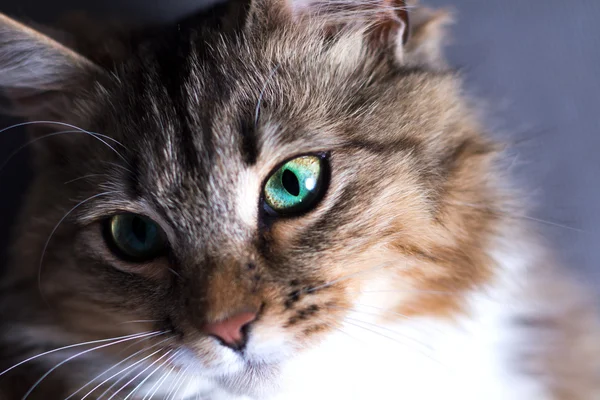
<point x="532" y="65"/>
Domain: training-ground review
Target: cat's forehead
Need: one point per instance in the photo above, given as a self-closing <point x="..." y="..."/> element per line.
<point x="199" y="106"/>
<point x="205" y="128"/>
<point x="208" y="121"/>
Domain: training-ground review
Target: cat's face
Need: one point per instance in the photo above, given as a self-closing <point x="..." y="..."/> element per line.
<point x="272" y="177"/>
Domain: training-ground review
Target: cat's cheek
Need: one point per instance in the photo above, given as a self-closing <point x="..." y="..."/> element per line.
<point x="90" y="240"/>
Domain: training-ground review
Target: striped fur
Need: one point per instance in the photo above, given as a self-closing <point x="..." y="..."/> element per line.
<point x="417" y="222"/>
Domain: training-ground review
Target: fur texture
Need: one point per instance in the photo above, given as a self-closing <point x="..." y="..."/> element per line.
<point x="411" y="278"/>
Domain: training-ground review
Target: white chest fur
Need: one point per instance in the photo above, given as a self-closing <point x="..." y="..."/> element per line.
<point x="419" y="359"/>
<point x="471" y="358"/>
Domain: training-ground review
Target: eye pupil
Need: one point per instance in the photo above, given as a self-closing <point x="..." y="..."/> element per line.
<point x="139" y="229"/>
<point x="290" y="182"/>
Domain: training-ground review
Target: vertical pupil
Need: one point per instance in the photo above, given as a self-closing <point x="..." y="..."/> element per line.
<point x="290" y="182"/>
<point x="138" y="227"/>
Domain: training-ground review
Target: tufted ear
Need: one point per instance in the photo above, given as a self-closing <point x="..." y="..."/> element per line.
<point x="37" y="73"/>
<point x="386" y="22"/>
<point x="414" y="34"/>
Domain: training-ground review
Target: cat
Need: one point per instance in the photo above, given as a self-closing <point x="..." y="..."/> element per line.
<point x="274" y="200"/>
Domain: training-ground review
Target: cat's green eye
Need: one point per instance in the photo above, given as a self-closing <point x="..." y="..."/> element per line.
<point x="296" y="186"/>
<point x="135" y="237"/>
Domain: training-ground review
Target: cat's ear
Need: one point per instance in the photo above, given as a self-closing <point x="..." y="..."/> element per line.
<point x="37" y="73"/>
<point x="386" y="22"/>
<point x="428" y="37"/>
<point x="414" y="34"/>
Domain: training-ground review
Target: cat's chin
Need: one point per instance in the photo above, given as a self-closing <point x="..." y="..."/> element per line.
<point x="258" y="381"/>
<point x="249" y="375"/>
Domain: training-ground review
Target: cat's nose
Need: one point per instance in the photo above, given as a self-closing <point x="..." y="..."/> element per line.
<point x="231" y="332"/>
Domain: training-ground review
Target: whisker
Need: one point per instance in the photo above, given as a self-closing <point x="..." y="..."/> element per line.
<point x="77" y="355"/>
<point x="406" y="317"/>
<point x="119" y="166"/>
<point x="151" y="373"/>
<point x="56" y="228"/>
<point x="95" y="135"/>
<point x="542" y="221"/>
<point x="436" y="292"/>
<point x="155" y="387"/>
<point x="185" y="380"/>
<point x="176" y="382"/>
<point x="175" y="273"/>
<point x="83" y="177"/>
<point x="130" y="367"/>
<point x="262" y="92"/>
<point x="349" y="276"/>
<point x="29" y="143"/>
<point x="332" y="326"/>
<point x="60" y="124"/>
<point x="173" y="384"/>
<point x="416" y="341"/>
<point x="119" y="363"/>
<point x="65" y="348"/>
<point x="139" y="321"/>
<point x="138" y="375"/>
<point x="516" y="216"/>
<point x="161" y="381"/>
<point x="395" y="340"/>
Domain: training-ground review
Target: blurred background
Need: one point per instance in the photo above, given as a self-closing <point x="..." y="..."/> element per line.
<point x="533" y="66"/>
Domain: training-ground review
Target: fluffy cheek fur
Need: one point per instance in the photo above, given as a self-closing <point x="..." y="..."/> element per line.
<point x="409" y="211"/>
<point x="412" y="245"/>
<point x="414" y="253"/>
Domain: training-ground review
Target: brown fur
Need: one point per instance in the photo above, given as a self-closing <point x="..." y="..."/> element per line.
<point x="414" y="197"/>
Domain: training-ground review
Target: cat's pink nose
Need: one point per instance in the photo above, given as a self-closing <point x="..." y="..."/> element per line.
<point x="231" y="331"/>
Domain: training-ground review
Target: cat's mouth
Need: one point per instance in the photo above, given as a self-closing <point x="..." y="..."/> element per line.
<point x="248" y="371"/>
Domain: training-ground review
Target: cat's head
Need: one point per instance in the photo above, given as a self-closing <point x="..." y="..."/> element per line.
<point x="244" y="181"/>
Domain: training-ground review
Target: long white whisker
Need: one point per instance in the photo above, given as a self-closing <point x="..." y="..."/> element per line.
<point x="351" y="309"/>
<point x="56" y="228"/>
<point x="390" y="312"/>
<point x="178" y="385"/>
<point x="155" y="387"/>
<point x="119" y="363"/>
<point x="138" y="375"/>
<point x="77" y="355"/>
<point x="150" y="375"/>
<point x="542" y="221"/>
<point x="65" y="348"/>
<point x="29" y="143"/>
<point x="115" y="165"/>
<point x="332" y="326"/>
<point x="349" y="276"/>
<point x="514" y="215"/>
<point x="83" y="177"/>
<point x="395" y="340"/>
<point x="161" y="381"/>
<point x="139" y="321"/>
<point x="95" y="135"/>
<point x="174" y="387"/>
<point x="132" y="367"/>
<point x="436" y="292"/>
<point x="65" y="125"/>
<point x="416" y="341"/>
